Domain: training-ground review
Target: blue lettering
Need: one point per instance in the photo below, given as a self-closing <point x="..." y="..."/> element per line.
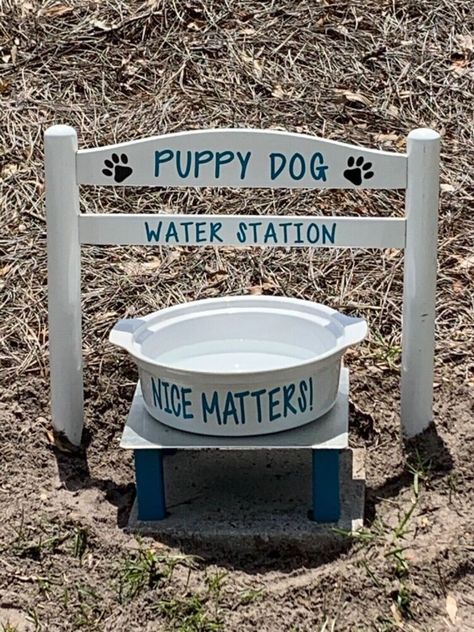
<point x="244" y="161"/>
<point x="317" y="167"/>
<point x="285" y="226"/>
<point x="302" y="168"/>
<point x="222" y="158"/>
<point x="255" y="225"/>
<point x="156" y="390"/>
<point x="184" y="173"/>
<point x="186" y="402"/>
<point x="257" y="395"/>
<point x="175" y="405"/>
<point x="274" y="170"/>
<point x="241" y="233"/>
<point x="212" y="408"/>
<point x="215" y="228"/>
<point x="172" y="233"/>
<point x="302" y="400"/>
<point x="229" y="409"/>
<point x="298" y="226"/>
<point x="153" y="235"/>
<point x="186" y="225"/>
<point x="288" y="392"/>
<point x="312" y="228"/>
<point x="167" y="408"/>
<point x="329" y="236"/>
<point x="273" y="403"/>
<point x="202" y="158"/>
<point x="241" y="397"/>
<point x="161" y="157"/>
<point x="201" y="232"/>
<point x="270" y="233"/>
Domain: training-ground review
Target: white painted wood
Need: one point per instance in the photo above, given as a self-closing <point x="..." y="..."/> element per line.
<point x="419" y="291"/>
<point x="64" y="293"/>
<point x="241" y="158"/>
<point x="243" y="230"/>
<point x="329" y="432"/>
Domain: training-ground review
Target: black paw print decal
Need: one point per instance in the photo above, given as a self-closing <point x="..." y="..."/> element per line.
<point x="117" y="167"/>
<point x="358" y="170"/>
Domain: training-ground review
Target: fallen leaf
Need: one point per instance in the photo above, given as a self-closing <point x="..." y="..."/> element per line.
<point x="342" y="29"/>
<point x="26" y="7"/>
<point x="397" y="617"/>
<point x="278" y="92"/>
<point x="467" y="263"/>
<point x="459" y="64"/>
<point x="8" y="170"/>
<point x="458" y="287"/>
<point x="425" y="522"/>
<point x="104" y="317"/>
<point x="57" y="10"/>
<point x="451" y="607"/>
<point x="257" y="65"/>
<point x="258" y="68"/>
<point x="4" y="86"/>
<point x="447" y="188"/>
<point x="260" y="289"/>
<point x="393" y="110"/>
<point x="60" y="442"/>
<point x="196" y="25"/>
<point x="353" y="97"/>
<point x="98" y="24"/>
<point x="465" y="42"/>
<point x="386" y="137"/>
<point x="153" y="264"/>
<point x="391" y="253"/>
<point x="216" y="273"/>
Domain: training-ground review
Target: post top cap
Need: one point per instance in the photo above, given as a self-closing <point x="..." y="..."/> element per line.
<point x="424" y="133"/>
<point x="60" y="130"/>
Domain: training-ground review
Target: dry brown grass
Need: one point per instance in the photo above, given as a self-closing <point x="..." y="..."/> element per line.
<point x="366" y="73"/>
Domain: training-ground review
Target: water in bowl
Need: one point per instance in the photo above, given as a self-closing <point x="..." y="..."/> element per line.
<point x="234" y="356"/>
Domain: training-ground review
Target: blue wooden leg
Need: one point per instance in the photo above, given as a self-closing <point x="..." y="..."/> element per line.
<point x="326" y="503"/>
<point x="150" y="484"/>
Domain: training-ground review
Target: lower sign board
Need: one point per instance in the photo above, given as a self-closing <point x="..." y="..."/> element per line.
<point x="235" y="230"/>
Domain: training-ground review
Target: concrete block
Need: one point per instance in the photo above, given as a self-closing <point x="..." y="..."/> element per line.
<point x="244" y="500"/>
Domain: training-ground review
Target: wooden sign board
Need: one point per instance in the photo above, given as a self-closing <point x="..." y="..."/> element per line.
<point x="242" y="230"/>
<point x="241" y="158"/>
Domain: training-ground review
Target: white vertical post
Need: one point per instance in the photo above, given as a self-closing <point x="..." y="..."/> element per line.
<point x="64" y="277"/>
<point x="419" y="290"/>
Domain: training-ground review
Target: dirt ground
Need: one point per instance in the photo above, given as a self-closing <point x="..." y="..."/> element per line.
<point x="358" y="72"/>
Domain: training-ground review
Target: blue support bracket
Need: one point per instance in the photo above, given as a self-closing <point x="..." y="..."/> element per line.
<point x="150" y="484"/>
<point x="326" y="501"/>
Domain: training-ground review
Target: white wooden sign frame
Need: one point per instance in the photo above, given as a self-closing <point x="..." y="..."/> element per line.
<point x="240" y="158"/>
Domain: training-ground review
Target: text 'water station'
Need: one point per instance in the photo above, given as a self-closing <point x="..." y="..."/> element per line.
<point x="240" y="372"/>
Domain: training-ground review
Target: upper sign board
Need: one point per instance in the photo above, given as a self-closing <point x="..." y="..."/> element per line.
<point x="241" y="158"/>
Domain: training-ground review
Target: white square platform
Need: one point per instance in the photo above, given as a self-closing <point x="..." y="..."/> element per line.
<point x="329" y="432"/>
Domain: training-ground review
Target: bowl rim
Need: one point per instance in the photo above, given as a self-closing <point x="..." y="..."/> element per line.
<point x="220" y="303"/>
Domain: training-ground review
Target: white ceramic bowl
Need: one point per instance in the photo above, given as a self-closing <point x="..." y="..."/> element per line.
<point x="245" y="365"/>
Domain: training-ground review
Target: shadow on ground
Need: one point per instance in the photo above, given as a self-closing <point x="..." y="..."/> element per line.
<point x="427" y="450"/>
<point x="75" y="475"/>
